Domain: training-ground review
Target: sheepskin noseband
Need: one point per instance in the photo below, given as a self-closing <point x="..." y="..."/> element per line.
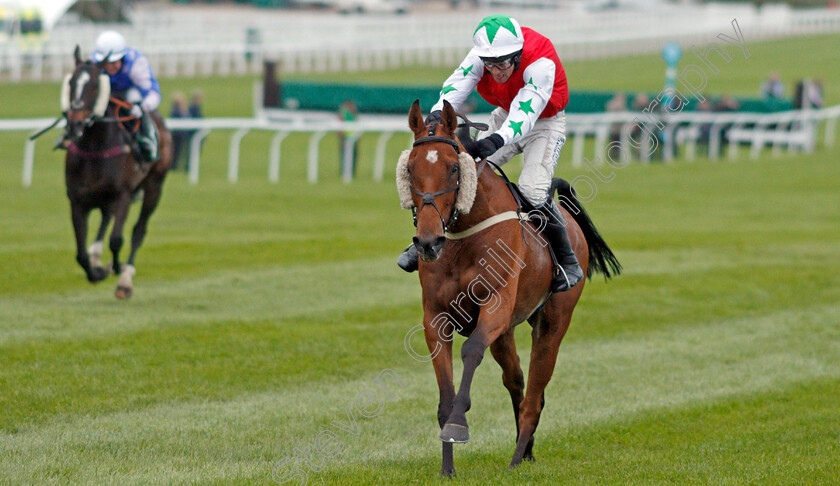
<point x="468" y="183"/>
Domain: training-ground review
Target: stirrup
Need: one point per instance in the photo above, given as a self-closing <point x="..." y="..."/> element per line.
<point x="561" y="282"/>
<point x="567" y="272"/>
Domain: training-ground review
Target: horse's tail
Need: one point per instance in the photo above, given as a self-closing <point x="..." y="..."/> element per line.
<point x="601" y="258"/>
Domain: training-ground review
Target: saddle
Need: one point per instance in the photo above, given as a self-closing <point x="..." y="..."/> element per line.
<point x="524" y="206"/>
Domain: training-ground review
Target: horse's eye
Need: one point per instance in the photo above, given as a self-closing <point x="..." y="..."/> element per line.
<point x="454" y="170"/>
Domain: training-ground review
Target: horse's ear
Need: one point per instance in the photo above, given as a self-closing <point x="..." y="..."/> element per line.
<point x="415" y="120"/>
<point x="77" y="54"/>
<point x="101" y="64"/>
<point x="450" y="119"/>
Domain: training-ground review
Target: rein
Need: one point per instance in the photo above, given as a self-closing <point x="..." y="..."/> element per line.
<point x="497" y="218"/>
<point x="120" y="119"/>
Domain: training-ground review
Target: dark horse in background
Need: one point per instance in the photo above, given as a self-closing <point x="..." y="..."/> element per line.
<point x="102" y="170"/>
<point x="484" y="269"/>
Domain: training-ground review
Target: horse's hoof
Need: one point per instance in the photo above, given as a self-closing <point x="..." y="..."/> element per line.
<point x="98" y="274"/>
<point x="123" y="292"/>
<point x="455" y="433"/>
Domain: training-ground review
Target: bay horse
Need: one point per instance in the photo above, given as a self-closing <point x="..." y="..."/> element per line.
<point x="102" y="171"/>
<point x="483" y="270"/>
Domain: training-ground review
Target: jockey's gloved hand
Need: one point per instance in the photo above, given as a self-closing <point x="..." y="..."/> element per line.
<point x="481" y="149"/>
<point x="435" y="116"/>
<point x="136" y="111"/>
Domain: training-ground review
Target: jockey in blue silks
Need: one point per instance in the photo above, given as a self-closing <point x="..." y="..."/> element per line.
<point x="131" y="76"/>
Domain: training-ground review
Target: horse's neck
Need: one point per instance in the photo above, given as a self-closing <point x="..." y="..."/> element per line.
<point x="492" y="197"/>
<point x="99" y="136"/>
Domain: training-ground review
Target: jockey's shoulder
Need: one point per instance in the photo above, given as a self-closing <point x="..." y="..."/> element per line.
<point x="132" y="53"/>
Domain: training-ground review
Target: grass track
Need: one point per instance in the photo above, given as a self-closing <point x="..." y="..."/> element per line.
<point x="262" y="310"/>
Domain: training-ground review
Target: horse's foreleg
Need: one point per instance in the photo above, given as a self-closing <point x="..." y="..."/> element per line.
<point x="96" y="249"/>
<point x="121" y="207"/>
<point x="504" y="351"/>
<point x="472" y="352"/>
<point x="546" y="336"/>
<point x="442" y="362"/>
<point x="80" y="219"/>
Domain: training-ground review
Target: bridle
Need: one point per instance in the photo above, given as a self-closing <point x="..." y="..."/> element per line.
<point x="429" y="197"/>
<point x="116" y="118"/>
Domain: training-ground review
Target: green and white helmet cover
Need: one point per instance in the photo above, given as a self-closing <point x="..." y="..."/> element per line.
<point x="497" y="36"/>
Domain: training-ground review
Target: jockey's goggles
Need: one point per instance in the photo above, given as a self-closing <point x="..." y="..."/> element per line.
<point x="499" y="65"/>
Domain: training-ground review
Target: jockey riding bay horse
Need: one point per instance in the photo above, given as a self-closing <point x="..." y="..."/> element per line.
<point x="484" y="269"/>
<point x="102" y="170"/>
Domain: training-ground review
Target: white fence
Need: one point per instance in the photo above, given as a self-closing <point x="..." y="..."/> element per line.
<point x="793" y="130"/>
<point x="221" y="41"/>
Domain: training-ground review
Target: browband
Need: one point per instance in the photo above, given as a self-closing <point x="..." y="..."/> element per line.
<point x="436" y="138"/>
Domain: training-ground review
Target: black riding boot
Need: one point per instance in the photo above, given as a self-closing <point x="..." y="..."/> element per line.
<point x="147" y="138"/>
<point x="568" y="273"/>
<point x="409" y="260"/>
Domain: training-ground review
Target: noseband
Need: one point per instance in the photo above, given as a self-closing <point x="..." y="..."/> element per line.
<point x="429" y="197"/>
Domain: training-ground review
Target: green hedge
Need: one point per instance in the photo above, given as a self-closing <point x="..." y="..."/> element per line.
<point x="397" y="99"/>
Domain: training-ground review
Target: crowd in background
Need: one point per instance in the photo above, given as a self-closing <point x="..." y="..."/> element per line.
<point x="808" y="94"/>
<point x="181" y="138"/>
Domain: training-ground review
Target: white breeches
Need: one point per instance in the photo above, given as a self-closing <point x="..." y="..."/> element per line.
<point x="540" y="148"/>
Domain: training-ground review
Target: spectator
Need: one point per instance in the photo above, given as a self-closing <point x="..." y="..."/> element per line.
<point x="809" y="94"/>
<point x="195" y="109"/>
<point x="773" y="88"/>
<point x="727" y="104"/>
<point x="640" y="102"/>
<point x="706" y="128"/>
<point x="347" y="112"/>
<point x="617" y="103"/>
<point x="815" y="94"/>
<point x="179" y="137"/>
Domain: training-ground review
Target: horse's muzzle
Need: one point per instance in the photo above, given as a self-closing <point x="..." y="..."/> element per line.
<point x="429" y="251"/>
<point x="75" y="126"/>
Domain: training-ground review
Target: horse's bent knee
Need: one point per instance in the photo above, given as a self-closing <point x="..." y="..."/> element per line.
<point x="444" y="411"/>
<point x="474" y="352"/>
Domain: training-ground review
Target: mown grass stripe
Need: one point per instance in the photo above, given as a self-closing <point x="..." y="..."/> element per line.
<point x="597" y="381"/>
<point x="279" y="292"/>
<point x="658" y="281"/>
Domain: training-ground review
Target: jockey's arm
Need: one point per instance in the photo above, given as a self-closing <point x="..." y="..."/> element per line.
<point x="530" y="102"/>
<point x="462" y="82"/>
<point x="141" y="76"/>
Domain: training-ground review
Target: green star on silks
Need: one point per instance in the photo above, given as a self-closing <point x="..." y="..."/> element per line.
<point x="517" y="127"/>
<point x="465" y="70"/>
<point x="448" y="88"/>
<point x="531" y="82"/>
<point x="526" y="106"/>
<point x="493" y="23"/>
